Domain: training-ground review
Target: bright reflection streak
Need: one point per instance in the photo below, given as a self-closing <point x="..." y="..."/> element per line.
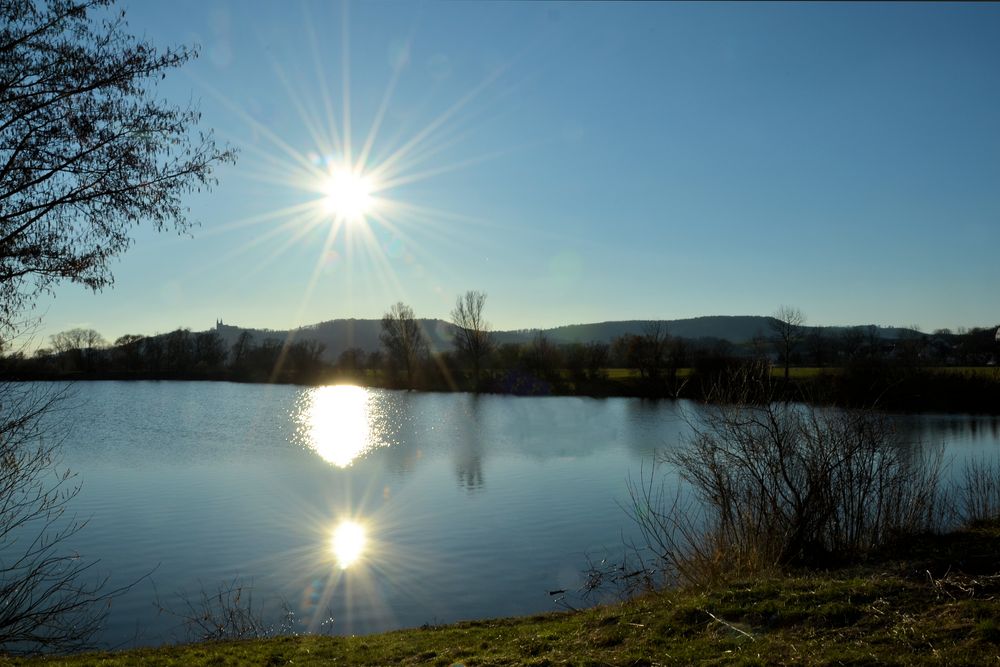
<point x="337" y="423"/>
<point x="348" y="543"/>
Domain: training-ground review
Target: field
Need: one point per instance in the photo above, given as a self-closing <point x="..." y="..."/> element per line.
<point x="809" y="372"/>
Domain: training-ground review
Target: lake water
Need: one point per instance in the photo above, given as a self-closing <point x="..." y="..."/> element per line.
<point x="471" y="507"/>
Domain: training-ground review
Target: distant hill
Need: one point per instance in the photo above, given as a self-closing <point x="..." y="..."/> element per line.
<point x="340" y="335"/>
<point x="735" y="329"/>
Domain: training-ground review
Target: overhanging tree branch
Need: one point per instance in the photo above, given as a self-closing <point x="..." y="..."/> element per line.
<point x="88" y="149"/>
<point x="88" y="152"/>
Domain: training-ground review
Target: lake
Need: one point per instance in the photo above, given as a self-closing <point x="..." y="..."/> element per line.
<point x="376" y="509"/>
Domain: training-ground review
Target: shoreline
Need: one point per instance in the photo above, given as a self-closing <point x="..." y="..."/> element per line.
<point x="945" y="390"/>
<point x="931" y="599"/>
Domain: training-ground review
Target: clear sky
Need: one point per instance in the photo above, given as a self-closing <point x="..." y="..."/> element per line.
<point x="579" y="162"/>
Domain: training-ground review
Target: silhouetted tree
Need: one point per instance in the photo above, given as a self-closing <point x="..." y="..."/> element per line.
<point x="352" y="360"/>
<point x="650" y="354"/>
<point x="87" y="152"/>
<point x="586" y="362"/>
<point x="179" y="349"/>
<point x="303" y="358"/>
<point x="575" y="358"/>
<point x="786" y="323"/>
<point x="209" y="351"/>
<point x="759" y="346"/>
<point x="240" y="350"/>
<point x="76" y="347"/>
<point x="597" y="355"/>
<point x="473" y="339"/>
<point x="819" y="347"/>
<point x="47" y="601"/>
<point x="852" y="344"/>
<point x="910" y="345"/>
<point x="403" y="341"/>
<point x="77" y="339"/>
<point x="128" y="351"/>
<point x="152" y="353"/>
<point x="376" y="360"/>
<point x="542" y="359"/>
<point x="262" y="360"/>
<point x="507" y="357"/>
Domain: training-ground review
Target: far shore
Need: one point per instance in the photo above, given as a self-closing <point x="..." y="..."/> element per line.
<point x="963" y="390"/>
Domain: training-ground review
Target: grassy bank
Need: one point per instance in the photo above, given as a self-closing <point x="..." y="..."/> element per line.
<point x="933" y="600"/>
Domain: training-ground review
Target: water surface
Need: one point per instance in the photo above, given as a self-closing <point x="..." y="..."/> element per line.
<point x="470" y="507"/>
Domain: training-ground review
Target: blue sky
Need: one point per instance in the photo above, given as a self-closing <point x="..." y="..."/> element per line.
<point x="581" y="162"/>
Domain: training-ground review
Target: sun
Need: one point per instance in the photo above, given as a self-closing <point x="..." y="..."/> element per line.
<point x="348" y="194"/>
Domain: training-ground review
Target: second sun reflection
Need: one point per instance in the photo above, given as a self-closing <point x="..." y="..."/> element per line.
<point x="338" y="423"/>
<point x="348" y="543"/>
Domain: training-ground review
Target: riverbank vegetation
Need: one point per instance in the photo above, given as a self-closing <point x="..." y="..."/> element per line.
<point x="927" y="600"/>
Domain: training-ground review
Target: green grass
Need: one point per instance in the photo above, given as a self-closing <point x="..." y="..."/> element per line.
<point x="934" y="602"/>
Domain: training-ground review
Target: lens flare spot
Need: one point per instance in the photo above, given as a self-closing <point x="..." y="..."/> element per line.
<point x="331" y="262"/>
<point x="348" y="543"/>
<point x="394" y="248"/>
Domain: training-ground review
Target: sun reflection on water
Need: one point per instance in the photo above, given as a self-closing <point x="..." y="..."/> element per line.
<point x="348" y="543"/>
<point x="337" y="423"/>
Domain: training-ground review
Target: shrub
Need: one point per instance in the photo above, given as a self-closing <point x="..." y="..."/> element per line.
<point x="768" y="485"/>
<point x="979" y="491"/>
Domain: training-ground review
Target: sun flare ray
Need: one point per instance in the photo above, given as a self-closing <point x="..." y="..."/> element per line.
<point x="429" y="129"/>
<point x="352" y="191"/>
<point x="313" y="124"/>
<point x="324" y="91"/>
<point x="345" y="62"/>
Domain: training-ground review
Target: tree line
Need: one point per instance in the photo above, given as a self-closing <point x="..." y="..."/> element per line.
<point x="853" y="366"/>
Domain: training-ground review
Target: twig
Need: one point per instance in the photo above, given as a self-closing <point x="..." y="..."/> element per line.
<point x="730" y="625"/>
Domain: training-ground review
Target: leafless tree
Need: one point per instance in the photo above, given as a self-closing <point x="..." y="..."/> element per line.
<point x="128" y="351"/>
<point x="240" y="350"/>
<point x="473" y="338"/>
<point x="352" y="360"/>
<point x="46" y="601"/>
<point x="77" y="339"/>
<point x="403" y="340"/>
<point x="654" y="354"/>
<point x="88" y="151"/>
<point x="77" y="347"/>
<point x="787" y="325"/>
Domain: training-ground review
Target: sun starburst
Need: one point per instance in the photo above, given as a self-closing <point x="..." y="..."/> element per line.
<point x="348" y="194"/>
<point x="357" y="210"/>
